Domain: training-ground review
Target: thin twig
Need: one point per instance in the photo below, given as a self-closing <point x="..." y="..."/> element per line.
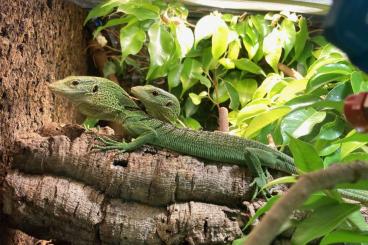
<point x="269" y="226"/>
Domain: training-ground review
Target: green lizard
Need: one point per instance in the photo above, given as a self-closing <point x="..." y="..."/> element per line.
<point x="161" y="97"/>
<point x="102" y="99"/>
<point x="158" y="103"/>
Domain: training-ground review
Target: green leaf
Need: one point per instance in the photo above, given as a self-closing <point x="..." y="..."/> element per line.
<point x="250" y="42"/>
<point x="329" y="149"/>
<point x="208" y="62"/>
<point x="239" y="241"/>
<point x="246" y="65"/>
<point x="313" y="69"/>
<point x="173" y="78"/>
<point x="362" y="156"/>
<point x="234" y="97"/>
<point x="272" y="47"/>
<point x="251" y="111"/>
<point x="326" y="218"/>
<point x="353" y="137"/>
<point x="338" y="68"/>
<point x="301" y="38"/>
<point x="142" y="11"/>
<point x="341" y="236"/>
<point x="265" y="119"/>
<point x="358" y="83"/>
<point x="221" y="95"/>
<point x="192" y="123"/>
<point x="301" y="122"/>
<point x="305" y="156"/>
<point x="112" y="22"/>
<point x="202" y="79"/>
<point x="332" y="130"/>
<point x="234" y="49"/>
<point x="207" y="26"/>
<point x="219" y="41"/>
<point x="339" y="92"/>
<point x="189" y="108"/>
<point x="271" y="80"/>
<point x="321" y="79"/>
<point x="227" y="63"/>
<point x="131" y="40"/>
<point x="101" y="9"/>
<point x="357" y="220"/>
<point x="288" y="36"/>
<point x="160" y="47"/>
<point x="281" y="180"/>
<point x="191" y="68"/>
<point x="197" y="98"/>
<point x="244" y="87"/>
<point x="185" y="38"/>
<point x="292" y="89"/>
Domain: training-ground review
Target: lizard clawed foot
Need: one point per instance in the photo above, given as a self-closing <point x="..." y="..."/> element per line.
<point x="110" y="144"/>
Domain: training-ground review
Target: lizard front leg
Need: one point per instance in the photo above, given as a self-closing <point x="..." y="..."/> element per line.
<point x="109" y="144"/>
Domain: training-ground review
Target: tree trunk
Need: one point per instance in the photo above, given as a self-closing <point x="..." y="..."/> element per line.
<point x="40" y="41"/>
<point x="54" y="186"/>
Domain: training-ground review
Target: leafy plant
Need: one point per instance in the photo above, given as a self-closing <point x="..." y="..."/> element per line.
<point x="275" y="77"/>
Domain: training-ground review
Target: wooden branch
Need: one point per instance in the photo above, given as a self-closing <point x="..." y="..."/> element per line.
<point x="289" y="71"/>
<point x="156" y="178"/>
<point x="269" y="226"/>
<point x="223" y="119"/>
<point x="52" y="207"/>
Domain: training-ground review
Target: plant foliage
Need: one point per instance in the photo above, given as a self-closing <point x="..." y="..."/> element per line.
<point x="275" y="77"/>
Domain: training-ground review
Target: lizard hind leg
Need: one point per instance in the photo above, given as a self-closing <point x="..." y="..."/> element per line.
<point x="110" y="144"/>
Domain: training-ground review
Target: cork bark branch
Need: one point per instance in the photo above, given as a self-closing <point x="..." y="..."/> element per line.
<point x="59" y="188"/>
<point x="53" y="207"/>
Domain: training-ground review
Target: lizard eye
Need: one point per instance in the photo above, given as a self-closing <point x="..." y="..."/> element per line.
<point x="169" y="103"/>
<point x="95" y="89"/>
<point x="75" y="82"/>
<point x="154" y="93"/>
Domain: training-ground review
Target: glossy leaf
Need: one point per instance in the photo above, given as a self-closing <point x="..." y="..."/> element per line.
<point x="312" y="70"/>
<point x="272" y="48"/>
<point x="185" y="39"/>
<point x="207" y="26"/>
<point x="208" y="62"/>
<point x="160" y="47"/>
<point x="301" y="122"/>
<point x="191" y="68"/>
<point x="250" y="111"/>
<point x="326" y="218"/>
<point x="329" y="150"/>
<point x="189" y="108"/>
<point x="234" y="97"/>
<point x="142" y="11"/>
<point x="264" y="119"/>
<point x="321" y="79"/>
<point x="339" y="92"/>
<point x="112" y="22"/>
<point x="202" y="79"/>
<point x="227" y="63"/>
<point x="341" y="236"/>
<point x="219" y="42"/>
<point x="288" y="36"/>
<point x="197" y="98"/>
<point x="234" y="49"/>
<point x="292" y="89"/>
<point x="244" y="87"/>
<point x="332" y="130"/>
<point x="173" y="77"/>
<point x="305" y="156"/>
<point x="246" y="65"/>
<point x="102" y="9"/>
<point x="271" y="80"/>
<point x="301" y="37"/>
<point x="131" y="40"/>
<point x="281" y="180"/>
<point x="358" y="83"/>
<point x="192" y="123"/>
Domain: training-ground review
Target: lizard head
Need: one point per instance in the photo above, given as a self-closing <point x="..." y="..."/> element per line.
<point x="158" y="102"/>
<point x="95" y="97"/>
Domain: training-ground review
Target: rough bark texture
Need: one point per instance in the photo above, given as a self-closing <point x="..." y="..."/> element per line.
<point x="156" y="178"/>
<point x="40" y="41"/>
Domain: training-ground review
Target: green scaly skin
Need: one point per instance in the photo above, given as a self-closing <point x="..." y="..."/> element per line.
<point x="159" y="100"/>
<point x="100" y="98"/>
